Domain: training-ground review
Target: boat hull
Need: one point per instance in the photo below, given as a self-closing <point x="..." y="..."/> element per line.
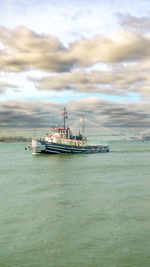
<point x="44" y="147"/>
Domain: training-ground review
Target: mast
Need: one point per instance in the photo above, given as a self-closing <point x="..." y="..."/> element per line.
<point x="83" y="131"/>
<point x="64" y="114"/>
<point x="64" y="119"/>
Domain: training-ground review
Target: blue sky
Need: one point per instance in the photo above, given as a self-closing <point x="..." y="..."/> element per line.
<point x="91" y="55"/>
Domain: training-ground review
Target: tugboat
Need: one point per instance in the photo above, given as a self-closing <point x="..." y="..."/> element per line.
<point x="62" y="141"/>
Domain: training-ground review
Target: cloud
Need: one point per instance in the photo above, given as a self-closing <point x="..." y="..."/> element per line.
<point x="112" y="114"/>
<point x="126" y="54"/>
<point x="119" y="81"/>
<point x="5" y="85"/>
<point x="24" y="50"/>
<point x="21" y="114"/>
<point x="132" y="22"/>
<point x="43" y="114"/>
<point x="121" y="46"/>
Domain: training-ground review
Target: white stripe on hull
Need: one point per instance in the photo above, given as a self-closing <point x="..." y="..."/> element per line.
<point x="52" y="151"/>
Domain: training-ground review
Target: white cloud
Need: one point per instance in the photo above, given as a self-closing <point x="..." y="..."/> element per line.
<point x="25" y="50"/>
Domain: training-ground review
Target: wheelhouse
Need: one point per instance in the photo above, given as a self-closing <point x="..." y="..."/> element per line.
<point x="59" y="132"/>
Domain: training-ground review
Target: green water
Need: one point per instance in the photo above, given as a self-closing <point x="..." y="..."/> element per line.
<point x="75" y="210"/>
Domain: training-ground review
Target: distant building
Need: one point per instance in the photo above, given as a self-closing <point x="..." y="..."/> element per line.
<point x="146" y="137"/>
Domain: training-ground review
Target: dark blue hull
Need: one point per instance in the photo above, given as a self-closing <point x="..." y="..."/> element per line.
<point x="54" y="148"/>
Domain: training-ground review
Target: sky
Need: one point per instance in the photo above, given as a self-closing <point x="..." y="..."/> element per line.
<point x="92" y="57"/>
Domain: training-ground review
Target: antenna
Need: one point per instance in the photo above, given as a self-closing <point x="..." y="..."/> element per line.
<point x="83" y="126"/>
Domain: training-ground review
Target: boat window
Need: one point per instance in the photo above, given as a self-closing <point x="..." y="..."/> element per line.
<point x="66" y="134"/>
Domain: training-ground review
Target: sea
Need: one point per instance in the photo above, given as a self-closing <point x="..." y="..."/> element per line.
<point x="90" y="210"/>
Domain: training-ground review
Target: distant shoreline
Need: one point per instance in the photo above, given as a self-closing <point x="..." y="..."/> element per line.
<point x="23" y="142"/>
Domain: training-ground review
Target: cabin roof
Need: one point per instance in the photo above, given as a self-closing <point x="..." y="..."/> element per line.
<point x="59" y="129"/>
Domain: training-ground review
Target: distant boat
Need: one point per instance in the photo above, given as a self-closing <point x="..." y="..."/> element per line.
<point x="29" y="147"/>
<point x="62" y="141"/>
